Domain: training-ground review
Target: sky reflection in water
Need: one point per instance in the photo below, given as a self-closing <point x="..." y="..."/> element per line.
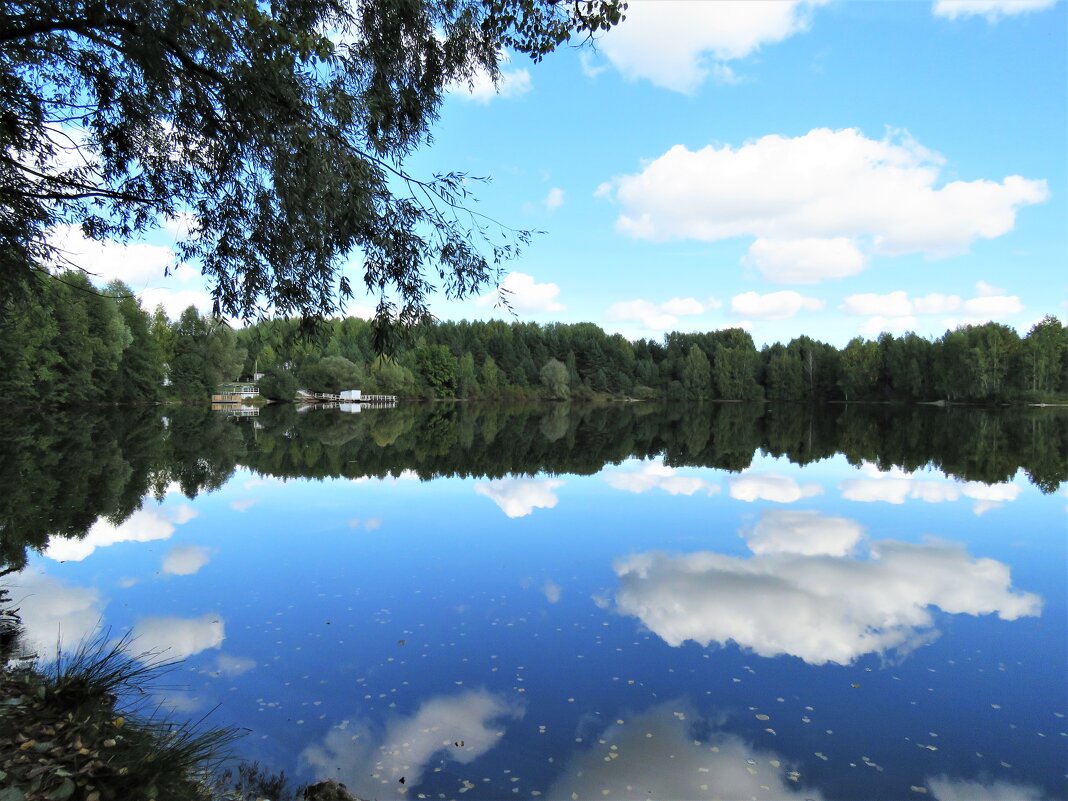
<point x="643" y="630"/>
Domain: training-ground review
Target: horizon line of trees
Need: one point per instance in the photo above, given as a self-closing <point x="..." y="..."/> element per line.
<point x="63" y="471"/>
<point x="70" y="342"/>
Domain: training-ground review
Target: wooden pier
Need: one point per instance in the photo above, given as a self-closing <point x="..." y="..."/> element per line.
<point x="364" y="400"/>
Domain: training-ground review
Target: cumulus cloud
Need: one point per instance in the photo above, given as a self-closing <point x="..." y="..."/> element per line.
<point x="678" y="45"/>
<point x="991" y="9"/>
<point x="371" y="762"/>
<point x="657" y="316"/>
<point x="144" y="525"/>
<point x="806" y="533"/>
<point x="140" y="265"/>
<point x="185" y="560"/>
<point x="555" y="199"/>
<point x="55" y="615"/>
<point x="751" y="487"/>
<point x="670" y="751"/>
<point x="773" y="305"/>
<point x="812" y="203"/>
<point x="818" y="608"/>
<point x="178" y="637"/>
<point x="657" y="475"/>
<point x="525" y="294"/>
<point x="175" y="301"/>
<point x="136" y="264"/>
<point x="518" y="497"/>
<point x="481" y="89"/>
<point x="805" y="261"/>
<point x="989" y="496"/>
<point x="896" y="311"/>
<point x="895" y="486"/>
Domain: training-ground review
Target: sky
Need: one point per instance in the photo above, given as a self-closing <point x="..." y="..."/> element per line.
<point x="823" y="167"/>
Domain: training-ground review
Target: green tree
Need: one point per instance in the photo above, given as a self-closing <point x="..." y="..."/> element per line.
<point x="466" y="380"/>
<point x="1044" y="356"/>
<point x="860" y="368"/>
<point x="491" y="377"/>
<point x="554" y="377"/>
<point x="281" y="129"/>
<point x="437" y="366"/>
<point x="331" y="374"/>
<point x="697" y="374"/>
<point x="278" y="384"/>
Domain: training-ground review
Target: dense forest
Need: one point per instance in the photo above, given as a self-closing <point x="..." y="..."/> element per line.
<point x="63" y="471"/>
<point x="69" y="342"/>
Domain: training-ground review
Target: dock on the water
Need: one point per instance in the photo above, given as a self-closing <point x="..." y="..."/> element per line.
<point x="346" y="397"/>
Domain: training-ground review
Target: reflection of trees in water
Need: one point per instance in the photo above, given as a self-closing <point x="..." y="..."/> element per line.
<point x="62" y="471"/>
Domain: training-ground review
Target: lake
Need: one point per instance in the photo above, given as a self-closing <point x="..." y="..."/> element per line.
<point x="626" y="601"/>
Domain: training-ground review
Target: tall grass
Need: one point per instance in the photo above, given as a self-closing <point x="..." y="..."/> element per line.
<point x="84" y="727"/>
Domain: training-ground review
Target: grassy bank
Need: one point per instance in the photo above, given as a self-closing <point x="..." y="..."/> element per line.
<point x="76" y="730"/>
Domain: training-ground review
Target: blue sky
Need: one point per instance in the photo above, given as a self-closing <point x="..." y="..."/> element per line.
<point x="801" y="167"/>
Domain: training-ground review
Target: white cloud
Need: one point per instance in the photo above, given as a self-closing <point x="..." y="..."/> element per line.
<point x="751" y="487"/>
<point x="227" y="665"/>
<point x="555" y="199"/>
<point x="480" y="89"/>
<point x="678" y="45"/>
<point x="805" y="261"/>
<point x="818" y="608"/>
<point x="175" y="301"/>
<point x="896" y="311"/>
<point x="371" y="763"/>
<point x="944" y="788"/>
<point x="185" y="560"/>
<point x="896" y="486"/>
<point x="178" y="637"/>
<point x="892" y="304"/>
<point x="773" y="305"/>
<point x="655" y="754"/>
<point x="993" y="306"/>
<point x="827" y="190"/>
<point x="657" y="475"/>
<point x="552" y="591"/>
<point x="653" y="316"/>
<point x="136" y="264"/>
<point x="989" y="496"/>
<point x="243" y="504"/>
<point x="683" y="306"/>
<point x="936" y="303"/>
<point x="806" y="533"/>
<point x="874" y="326"/>
<point x="526" y="295"/>
<point x="991" y="9"/>
<point x="140" y="266"/>
<point x="54" y="615"/>
<point x="589" y="69"/>
<point x="518" y="497"/>
<point x="144" y="525"/>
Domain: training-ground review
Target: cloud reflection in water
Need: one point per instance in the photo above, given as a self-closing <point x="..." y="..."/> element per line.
<point x="818" y="607"/>
<point x="461" y="728"/>
<point x="668" y="752"/>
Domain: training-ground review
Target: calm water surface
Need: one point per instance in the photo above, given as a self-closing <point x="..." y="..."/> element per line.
<point x="625" y="602"/>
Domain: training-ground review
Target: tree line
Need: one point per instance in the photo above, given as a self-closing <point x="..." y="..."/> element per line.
<point x="62" y="471"/>
<point x="69" y="342"/>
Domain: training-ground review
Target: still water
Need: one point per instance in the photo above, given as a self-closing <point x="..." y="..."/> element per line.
<point x="636" y="601"/>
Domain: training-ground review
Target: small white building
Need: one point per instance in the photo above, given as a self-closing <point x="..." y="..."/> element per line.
<point x="350" y="395"/>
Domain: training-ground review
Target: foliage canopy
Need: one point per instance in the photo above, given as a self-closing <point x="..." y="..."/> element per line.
<point x="273" y="136"/>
